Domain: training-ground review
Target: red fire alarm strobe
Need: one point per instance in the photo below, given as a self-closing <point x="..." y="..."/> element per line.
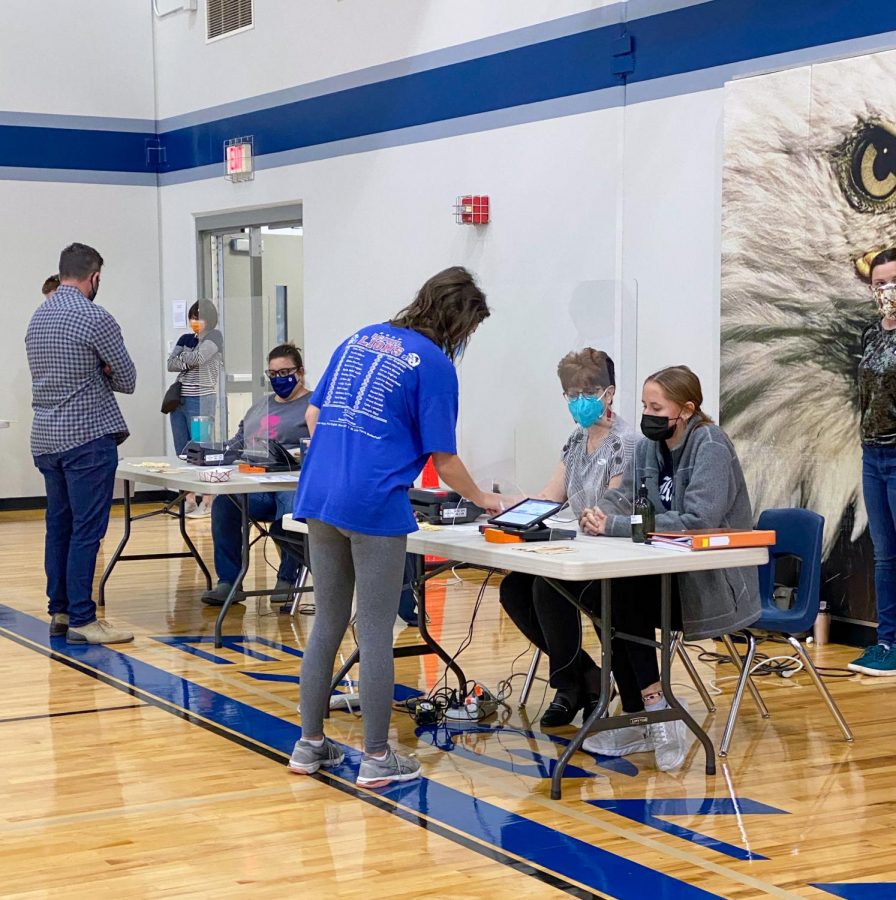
<point x="471" y="209"/>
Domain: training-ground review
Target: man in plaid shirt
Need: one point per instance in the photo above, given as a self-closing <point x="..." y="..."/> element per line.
<point x="77" y="359"/>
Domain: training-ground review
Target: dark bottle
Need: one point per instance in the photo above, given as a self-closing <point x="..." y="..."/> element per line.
<point x="644" y="517"/>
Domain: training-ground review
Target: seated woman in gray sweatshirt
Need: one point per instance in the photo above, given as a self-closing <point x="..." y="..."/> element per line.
<point x="694" y="480"/>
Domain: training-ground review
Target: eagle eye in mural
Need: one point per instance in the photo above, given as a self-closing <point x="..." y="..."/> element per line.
<point x="866" y="165"/>
<point x="809" y="188"/>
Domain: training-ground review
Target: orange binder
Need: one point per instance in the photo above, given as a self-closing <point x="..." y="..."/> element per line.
<point x="713" y="539"/>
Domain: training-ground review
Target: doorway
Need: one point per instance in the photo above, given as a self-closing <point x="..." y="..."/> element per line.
<point x="251" y="266"/>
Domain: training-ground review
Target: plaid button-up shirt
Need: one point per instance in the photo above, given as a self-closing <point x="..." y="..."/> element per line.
<point x="69" y="341"/>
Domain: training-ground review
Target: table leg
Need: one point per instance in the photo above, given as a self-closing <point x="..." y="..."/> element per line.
<point x="430" y="644"/>
<point x="182" y="521"/>
<point x="606" y="659"/>
<point x="243" y="502"/>
<point x="344" y="669"/>
<point x="101" y="594"/>
<point x="666" y="674"/>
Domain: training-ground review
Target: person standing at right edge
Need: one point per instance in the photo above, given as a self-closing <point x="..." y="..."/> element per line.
<point x="877" y="406"/>
<point x="78" y="360"/>
<point x="387" y="401"/>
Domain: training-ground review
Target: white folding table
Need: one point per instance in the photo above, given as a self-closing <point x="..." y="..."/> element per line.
<point x="183" y="479"/>
<point x="586" y="559"/>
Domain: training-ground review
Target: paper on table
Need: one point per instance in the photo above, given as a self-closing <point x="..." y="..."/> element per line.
<point x="548" y="548"/>
<point x="279" y="476"/>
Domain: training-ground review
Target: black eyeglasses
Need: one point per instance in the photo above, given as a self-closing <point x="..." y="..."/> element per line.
<point x="281" y="373"/>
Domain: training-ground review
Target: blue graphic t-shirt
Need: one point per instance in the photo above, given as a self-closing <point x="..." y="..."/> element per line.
<point x="387" y="400"/>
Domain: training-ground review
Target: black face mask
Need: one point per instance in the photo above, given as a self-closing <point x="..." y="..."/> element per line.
<point x="94" y="289"/>
<point x="658" y="428"/>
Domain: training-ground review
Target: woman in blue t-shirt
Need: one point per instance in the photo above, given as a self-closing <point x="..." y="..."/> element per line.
<point x="387" y="401"/>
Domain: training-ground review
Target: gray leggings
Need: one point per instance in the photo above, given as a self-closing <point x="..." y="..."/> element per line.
<point x="339" y="560"/>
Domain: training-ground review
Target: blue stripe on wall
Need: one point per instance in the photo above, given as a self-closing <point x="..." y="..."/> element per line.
<point x="69" y="148"/>
<point x="672" y="43"/>
<point x="508" y="832"/>
<point x="569" y="65"/>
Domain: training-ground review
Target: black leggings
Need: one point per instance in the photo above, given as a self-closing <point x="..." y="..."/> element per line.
<point x="636" y="609"/>
<point x="553" y="625"/>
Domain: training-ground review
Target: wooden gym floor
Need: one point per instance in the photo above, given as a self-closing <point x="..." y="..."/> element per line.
<point x="157" y="769"/>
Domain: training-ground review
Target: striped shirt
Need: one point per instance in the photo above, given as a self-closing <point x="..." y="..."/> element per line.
<point x="69" y="341"/>
<point x="199" y="366"/>
<point x="588" y="475"/>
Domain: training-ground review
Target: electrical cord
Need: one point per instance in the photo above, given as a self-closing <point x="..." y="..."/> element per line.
<point x="504" y="688"/>
<point x="468" y="638"/>
<point x="783" y="666"/>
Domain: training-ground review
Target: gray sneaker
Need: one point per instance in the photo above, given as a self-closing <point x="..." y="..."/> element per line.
<point x="58" y="624"/>
<point x="99" y="631"/>
<point x="218" y="594"/>
<point x="670" y="744"/>
<point x="306" y="759"/>
<point x="619" y="741"/>
<point x="380" y="772"/>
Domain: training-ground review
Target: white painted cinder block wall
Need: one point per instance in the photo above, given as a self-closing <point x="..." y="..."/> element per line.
<point x="77" y="59"/>
<point x="571" y="222"/>
<point x="575" y="231"/>
<point x="295" y="43"/>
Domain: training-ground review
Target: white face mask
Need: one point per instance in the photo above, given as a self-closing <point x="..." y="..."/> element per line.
<point x="885" y="297"/>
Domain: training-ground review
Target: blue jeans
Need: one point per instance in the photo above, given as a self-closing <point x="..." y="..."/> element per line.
<point x="879" y="488"/>
<point x="180" y="418"/>
<point x="227" y="533"/>
<point x="79" y="493"/>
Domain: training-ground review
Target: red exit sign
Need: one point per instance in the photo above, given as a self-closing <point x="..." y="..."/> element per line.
<point x="238" y="159"/>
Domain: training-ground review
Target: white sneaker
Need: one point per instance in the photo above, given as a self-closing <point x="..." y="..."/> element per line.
<point x="669" y="739"/>
<point x="200" y="511"/>
<point x="619" y="741"/>
<point x="99" y="631"/>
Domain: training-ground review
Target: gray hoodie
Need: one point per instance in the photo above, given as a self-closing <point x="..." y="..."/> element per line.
<point x="708" y="491"/>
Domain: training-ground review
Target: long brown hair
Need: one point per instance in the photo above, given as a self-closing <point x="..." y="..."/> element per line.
<point x="681" y="385"/>
<point x="447" y="309"/>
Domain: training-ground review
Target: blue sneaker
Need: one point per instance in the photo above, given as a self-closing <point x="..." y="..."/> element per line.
<point x="878" y="660"/>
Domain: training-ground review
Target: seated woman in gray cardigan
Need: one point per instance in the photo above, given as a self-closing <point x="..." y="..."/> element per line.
<point x="695" y="481"/>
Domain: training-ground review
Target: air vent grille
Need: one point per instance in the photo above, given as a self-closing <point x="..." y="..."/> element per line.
<point x="225" y="17"/>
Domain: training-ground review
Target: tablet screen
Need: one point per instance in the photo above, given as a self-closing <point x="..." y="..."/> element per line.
<point x="526" y="514"/>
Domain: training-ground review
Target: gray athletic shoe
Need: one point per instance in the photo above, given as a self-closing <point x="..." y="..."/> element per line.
<point x="380" y="772"/>
<point x="58" y="624"/>
<point x="218" y="594"/>
<point x="99" y="631"/>
<point x="619" y="741"/>
<point x="670" y="744"/>
<point x="306" y="759"/>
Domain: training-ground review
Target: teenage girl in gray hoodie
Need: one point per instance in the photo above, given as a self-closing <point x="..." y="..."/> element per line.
<point x="694" y="480"/>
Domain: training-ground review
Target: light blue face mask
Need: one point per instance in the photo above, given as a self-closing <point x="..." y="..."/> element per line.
<point x="586" y="409"/>
<point x="459" y="351"/>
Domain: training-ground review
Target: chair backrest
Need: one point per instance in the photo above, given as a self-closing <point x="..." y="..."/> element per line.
<point x="798" y="534"/>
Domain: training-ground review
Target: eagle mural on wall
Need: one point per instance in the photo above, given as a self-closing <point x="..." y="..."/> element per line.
<point x="809" y="194"/>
